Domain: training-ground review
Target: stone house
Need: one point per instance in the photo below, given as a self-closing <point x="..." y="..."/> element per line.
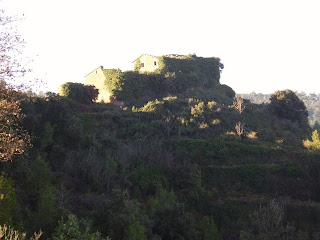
<point x="191" y="70"/>
<point x="150" y="63"/>
<point x="146" y="63"/>
<point x="97" y="78"/>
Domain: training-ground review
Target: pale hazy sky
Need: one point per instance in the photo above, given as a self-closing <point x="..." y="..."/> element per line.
<point x="265" y="45"/>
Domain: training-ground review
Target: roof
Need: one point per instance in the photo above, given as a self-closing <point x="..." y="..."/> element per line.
<point x="94" y="70"/>
<point x="167" y="55"/>
<point x="143" y="55"/>
<point x="174" y="55"/>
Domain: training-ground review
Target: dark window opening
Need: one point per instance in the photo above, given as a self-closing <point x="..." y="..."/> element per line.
<point x="142" y="64"/>
<point x="155" y="63"/>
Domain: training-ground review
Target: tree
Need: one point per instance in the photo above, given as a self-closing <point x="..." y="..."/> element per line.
<point x="313" y="145"/>
<point x="286" y="104"/>
<point x="8" y="233"/>
<point x="74" y="229"/>
<point x="7" y="199"/>
<point x="239" y="129"/>
<point x="238" y="104"/>
<point x="135" y="231"/>
<point x="79" y="92"/>
<point x="11" y="46"/>
<point x="13" y="139"/>
<point x="269" y="223"/>
<point x="208" y="229"/>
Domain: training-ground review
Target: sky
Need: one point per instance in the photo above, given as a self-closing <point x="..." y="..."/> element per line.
<point x="265" y="45"/>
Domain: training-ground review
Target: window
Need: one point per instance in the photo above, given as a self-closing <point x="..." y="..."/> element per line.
<point x="142" y="64"/>
<point x="155" y="63"/>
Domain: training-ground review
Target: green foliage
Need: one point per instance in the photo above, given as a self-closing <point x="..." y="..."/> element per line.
<point x="287" y="170"/>
<point x="198" y="110"/>
<point x="79" y="92"/>
<point x="176" y="223"/>
<point x="73" y="229"/>
<point x="174" y="76"/>
<point x="252" y="175"/>
<point x="73" y="131"/>
<point x="7" y="200"/>
<point x="165" y="168"/>
<point x="312" y="102"/>
<point x="269" y="224"/>
<point x="208" y="229"/>
<point x="114" y="216"/>
<point x="219" y="150"/>
<point x="135" y="231"/>
<point x="164" y="205"/>
<point x="137" y="65"/>
<point x="147" y="180"/>
<point x="284" y="119"/>
<point x="46" y="211"/>
<point x="44" y="216"/>
<point x="313" y="145"/>
<point x="174" y="159"/>
<point x="114" y="80"/>
<point x="249" y="176"/>
<point x="130" y="85"/>
<point x="186" y="68"/>
<point x="162" y="200"/>
<point x="47" y="134"/>
<point x="226" y="91"/>
<point x="286" y="104"/>
<point x="68" y="230"/>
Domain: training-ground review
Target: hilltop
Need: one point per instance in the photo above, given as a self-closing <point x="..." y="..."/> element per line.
<point x="191" y="165"/>
<point x="156" y="77"/>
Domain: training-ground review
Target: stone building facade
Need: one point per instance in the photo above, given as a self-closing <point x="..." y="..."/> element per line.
<point x="97" y="78"/>
<point x="146" y="63"/>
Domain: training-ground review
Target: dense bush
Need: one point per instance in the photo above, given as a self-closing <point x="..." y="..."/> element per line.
<point x="7" y="200"/>
<point x="313" y="145"/>
<point x="74" y="229"/>
<point x="79" y="92"/>
<point x="286" y="104"/>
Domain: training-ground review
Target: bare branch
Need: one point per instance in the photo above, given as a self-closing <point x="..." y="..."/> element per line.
<point x="13" y="139"/>
<point x="239" y="129"/>
<point x="238" y="104"/>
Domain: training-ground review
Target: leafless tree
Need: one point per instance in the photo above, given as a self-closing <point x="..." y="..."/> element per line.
<point x="238" y="104"/>
<point x="11" y="47"/>
<point x="6" y="232"/>
<point x="239" y="129"/>
<point x="13" y="139"/>
<point x="269" y="224"/>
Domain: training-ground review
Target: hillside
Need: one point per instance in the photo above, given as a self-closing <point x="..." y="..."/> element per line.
<point x="312" y="102"/>
<point x="173" y="168"/>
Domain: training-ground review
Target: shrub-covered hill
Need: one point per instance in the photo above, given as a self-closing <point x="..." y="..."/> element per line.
<point x="312" y="102"/>
<point x="173" y="168"/>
